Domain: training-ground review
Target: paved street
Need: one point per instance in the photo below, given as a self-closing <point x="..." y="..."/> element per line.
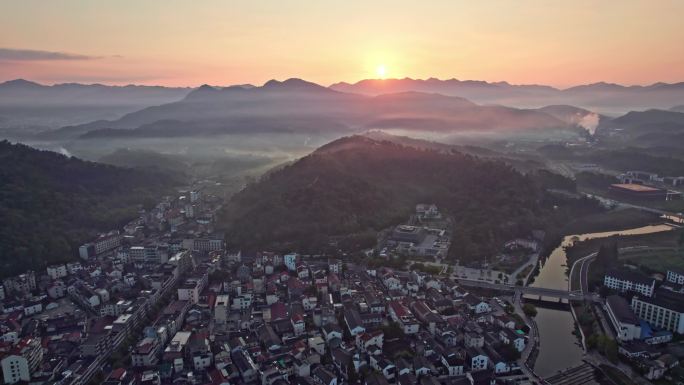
<point x="533" y="341"/>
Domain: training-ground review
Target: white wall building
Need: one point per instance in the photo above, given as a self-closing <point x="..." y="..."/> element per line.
<point x="626" y="280"/>
<point x="675" y="277"/>
<point x="221" y="308"/>
<point x="625" y="322"/>
<point x="57" y="271"/>
<point x="665" y="310"/>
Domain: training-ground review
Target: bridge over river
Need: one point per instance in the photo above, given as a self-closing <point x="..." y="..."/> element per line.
<point x="536" y="291"/>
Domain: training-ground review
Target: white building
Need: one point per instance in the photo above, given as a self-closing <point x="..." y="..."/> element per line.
<point x="57" y="271"/>
<point x="335" y="266"/>
<point x="401" y="314"/>
<point x="146" y="353"/>
<point x="74" y="267"/>
<point x="625" y="322"/>
<point x="104" y="242"/>
<point x="221" y="308"/>
<point x="478" y="360"/>
<point x="33" y="308"/>
<point x="191" y="289"/>
<point x="675" y="277"/>
<point x="242" y="302"/>
<point x="22" y="283"/>
<point x="15" y="368"/>
<point x="298" y="325"/>
<point x="290" y="261"/>
<point x="22" y="361"/>
<point x="627" y="280"/>
<point x="665" y="310"/>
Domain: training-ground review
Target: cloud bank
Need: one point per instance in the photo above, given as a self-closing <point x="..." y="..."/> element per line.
<point x="10" y="54"/>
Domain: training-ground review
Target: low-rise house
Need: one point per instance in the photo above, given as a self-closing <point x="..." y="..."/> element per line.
<point x="354" y="322"/>
<point x="331" y="331"/>
<point x="478" y="359"/>
<point x="323" y="376"/>
<point x="146" y="353"/>
<point x="476" y="304"/>
<point x="401" y="314"/>
<point x="454" y="363"/>
<point x="509" y="337"/>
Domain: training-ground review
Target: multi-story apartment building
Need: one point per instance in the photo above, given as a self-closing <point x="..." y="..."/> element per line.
<point x="192" y="287"/>
<point x="22" y="361"/>
<point x="57" y="271"/>
<point x="22" y="283"/>
<point x="664" y="310"/>
<point x="146" y="353"/>
<point x="104" y="242"/>
<point x="627" y="280"/>
<point x="675" y="277"/>
<point x="221" y="309"/>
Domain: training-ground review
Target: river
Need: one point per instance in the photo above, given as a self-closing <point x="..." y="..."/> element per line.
<point x="559" y="348"/>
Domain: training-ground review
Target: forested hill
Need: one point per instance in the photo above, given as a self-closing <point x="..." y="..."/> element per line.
<point x="50" y="204"/>
<point x="358" y="185"/>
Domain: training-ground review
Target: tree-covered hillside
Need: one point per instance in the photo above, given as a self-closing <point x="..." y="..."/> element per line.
<point x="358" y="185"/>
<point x="50" y="204"/>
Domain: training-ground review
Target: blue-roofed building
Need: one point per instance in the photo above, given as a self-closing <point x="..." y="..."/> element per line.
<point x="652" y="337"/>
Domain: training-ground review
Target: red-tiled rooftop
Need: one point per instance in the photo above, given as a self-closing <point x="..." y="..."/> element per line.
<point x="635" y="187"/>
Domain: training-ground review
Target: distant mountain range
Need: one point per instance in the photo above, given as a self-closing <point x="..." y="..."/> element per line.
<point x="33" y="107"/>
<point x="601" y="97"/>
<point x="80" y="112"/>
<point x="650" y="128"/>
<point x="295" y="105"/>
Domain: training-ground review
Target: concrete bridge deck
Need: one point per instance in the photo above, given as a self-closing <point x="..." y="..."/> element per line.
<point x="540" y="291"/>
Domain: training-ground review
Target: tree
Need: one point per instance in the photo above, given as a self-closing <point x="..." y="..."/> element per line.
<point x="529" y="310"/>
<point x="610" y="349"/>
<point x="393" y="330"/>
<point x="352" y="377"/>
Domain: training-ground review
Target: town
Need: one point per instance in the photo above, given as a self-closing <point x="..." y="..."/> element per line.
<point x="163" y="301"/>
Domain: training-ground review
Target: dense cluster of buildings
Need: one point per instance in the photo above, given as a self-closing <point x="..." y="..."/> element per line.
<point x="64" y="325"/>
<point x="161" y="301"/>
<point x="283" y="319"/>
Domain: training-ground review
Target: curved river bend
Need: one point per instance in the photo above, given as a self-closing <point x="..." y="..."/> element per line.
<point x="559" y="348"/>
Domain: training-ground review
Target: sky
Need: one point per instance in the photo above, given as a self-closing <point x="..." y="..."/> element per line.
<point x="189" y="43"/>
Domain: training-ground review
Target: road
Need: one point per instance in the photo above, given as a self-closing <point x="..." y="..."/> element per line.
<point x="532" y="341"/>
<point x="675" y="217"/>
<point x="533" y="260"/>
<point x="583" y="265"/>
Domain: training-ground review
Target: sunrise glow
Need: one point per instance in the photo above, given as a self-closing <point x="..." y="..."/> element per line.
<point x="381" y="71"/>
<point x="526" y="42"/>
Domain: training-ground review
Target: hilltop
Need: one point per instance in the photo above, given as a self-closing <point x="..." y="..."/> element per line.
<point x="349" y="189"/>
<point x="51" y="203"/>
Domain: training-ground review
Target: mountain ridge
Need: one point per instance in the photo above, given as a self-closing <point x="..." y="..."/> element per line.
<point x="602" y="97"/>
<point x="298" y="105"/>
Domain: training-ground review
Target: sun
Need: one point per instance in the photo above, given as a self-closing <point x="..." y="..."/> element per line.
<point x="381" y="71"/>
